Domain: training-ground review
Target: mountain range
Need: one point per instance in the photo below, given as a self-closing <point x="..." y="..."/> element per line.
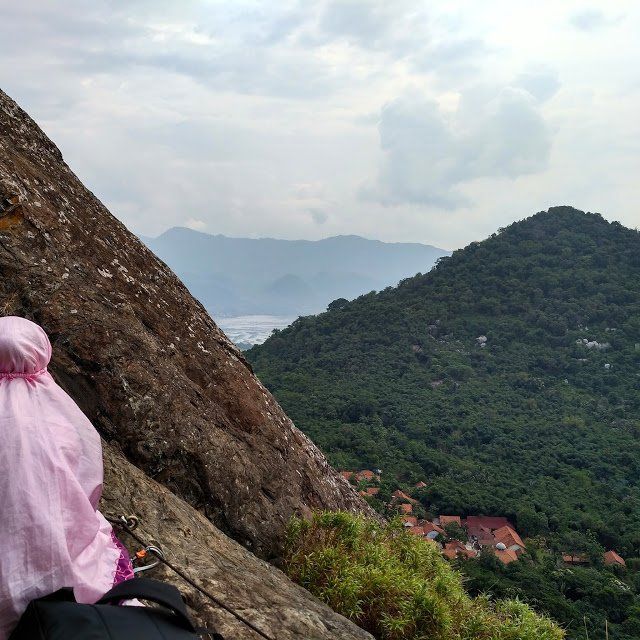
<point x="243" y="276"/>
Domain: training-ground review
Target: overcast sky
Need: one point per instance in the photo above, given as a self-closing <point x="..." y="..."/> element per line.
<point x="435" y="122"/>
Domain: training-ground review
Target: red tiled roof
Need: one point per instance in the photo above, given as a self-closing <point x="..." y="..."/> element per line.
<point x="420" y="485"/>
<point x="373" y="491"/>
<point x="477" y="531"/>
<point x="455" y="544"/>
<point x="456" y="548"/>
<point x="445" y="520"/>
<point x="611" y="557"/>
<point x="365" y="475"/>
<point x="406" y="508"/>
<point x="346" y="474"/>
<point x="429" y="527"/>
<point x="410" y="520"/>
<point x="400" y="495"/>
<point x="508" y="537"/>
<point x="484" y="536"/>
<point x="490" y="522"/>
<point x="506" y="556"/>
<point x="417" y="531"/>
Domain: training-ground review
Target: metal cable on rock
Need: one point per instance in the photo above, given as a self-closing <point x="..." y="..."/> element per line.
<point x="124" y="523"/>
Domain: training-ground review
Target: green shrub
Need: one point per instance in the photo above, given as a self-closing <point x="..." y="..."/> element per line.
<point x="397" y="586"/>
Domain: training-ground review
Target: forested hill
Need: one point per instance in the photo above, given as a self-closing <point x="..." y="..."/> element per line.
<point x="539" y="422"/>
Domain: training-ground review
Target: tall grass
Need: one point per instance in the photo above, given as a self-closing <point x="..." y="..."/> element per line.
<point x="397" y="586"/>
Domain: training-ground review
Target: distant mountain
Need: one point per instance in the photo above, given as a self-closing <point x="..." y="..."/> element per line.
<point x="508" y="380"/>
<point x="242" y="276"/>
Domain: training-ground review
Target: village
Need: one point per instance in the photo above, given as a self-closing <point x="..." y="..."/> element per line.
<point x="456" y="536"/>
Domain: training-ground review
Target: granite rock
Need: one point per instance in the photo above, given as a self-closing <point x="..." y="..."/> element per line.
<point x="142" y="357"/>
<point x="254" y="588"/>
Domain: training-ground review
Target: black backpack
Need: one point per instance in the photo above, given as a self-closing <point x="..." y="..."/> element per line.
<point x="60" y="617"/>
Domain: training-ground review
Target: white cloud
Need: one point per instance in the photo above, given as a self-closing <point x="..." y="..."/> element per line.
<point x="541" y="82"/>
<point x="428" y="152"/>
<point x="591" y="19"/>
<point x="318" y="216"/>
<point x="196" y="225"/>
<point x="374" y="24"/>
<point x="263" y="118"/>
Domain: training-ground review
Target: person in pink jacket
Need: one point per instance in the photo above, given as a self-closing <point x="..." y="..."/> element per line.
<point x="51" y="532"/>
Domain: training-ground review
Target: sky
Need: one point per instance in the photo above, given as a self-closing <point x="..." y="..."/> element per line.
<point x="434" y="122"/>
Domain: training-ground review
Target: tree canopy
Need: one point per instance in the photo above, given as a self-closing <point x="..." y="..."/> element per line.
<point x="506" y="378"/>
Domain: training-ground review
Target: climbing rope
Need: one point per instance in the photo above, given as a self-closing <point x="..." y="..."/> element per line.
<point x="128" y="524"/>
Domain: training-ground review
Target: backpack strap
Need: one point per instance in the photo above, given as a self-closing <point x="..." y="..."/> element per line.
<point x="146" y="589"/>
<point x="61" y="595"/>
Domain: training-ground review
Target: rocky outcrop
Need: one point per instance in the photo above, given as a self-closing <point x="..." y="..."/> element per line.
<point x="260" y="592"/>
<point x="142" y="357"/>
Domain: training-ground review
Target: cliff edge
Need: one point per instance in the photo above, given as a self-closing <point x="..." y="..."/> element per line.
<point x="260" y="592"/>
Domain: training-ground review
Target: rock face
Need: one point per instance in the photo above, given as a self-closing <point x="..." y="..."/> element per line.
<point x="142" y="358"/>
<point x="258" y="591"/>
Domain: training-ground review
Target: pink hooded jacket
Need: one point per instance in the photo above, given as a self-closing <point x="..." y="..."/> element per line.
<point x="51" y="533"/>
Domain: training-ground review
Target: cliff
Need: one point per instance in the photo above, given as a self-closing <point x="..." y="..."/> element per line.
<point x="260" y="592"/>
<point x="142" y="358"/>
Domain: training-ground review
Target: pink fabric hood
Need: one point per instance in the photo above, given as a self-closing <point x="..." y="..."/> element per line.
<point x="51" y="533"/>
